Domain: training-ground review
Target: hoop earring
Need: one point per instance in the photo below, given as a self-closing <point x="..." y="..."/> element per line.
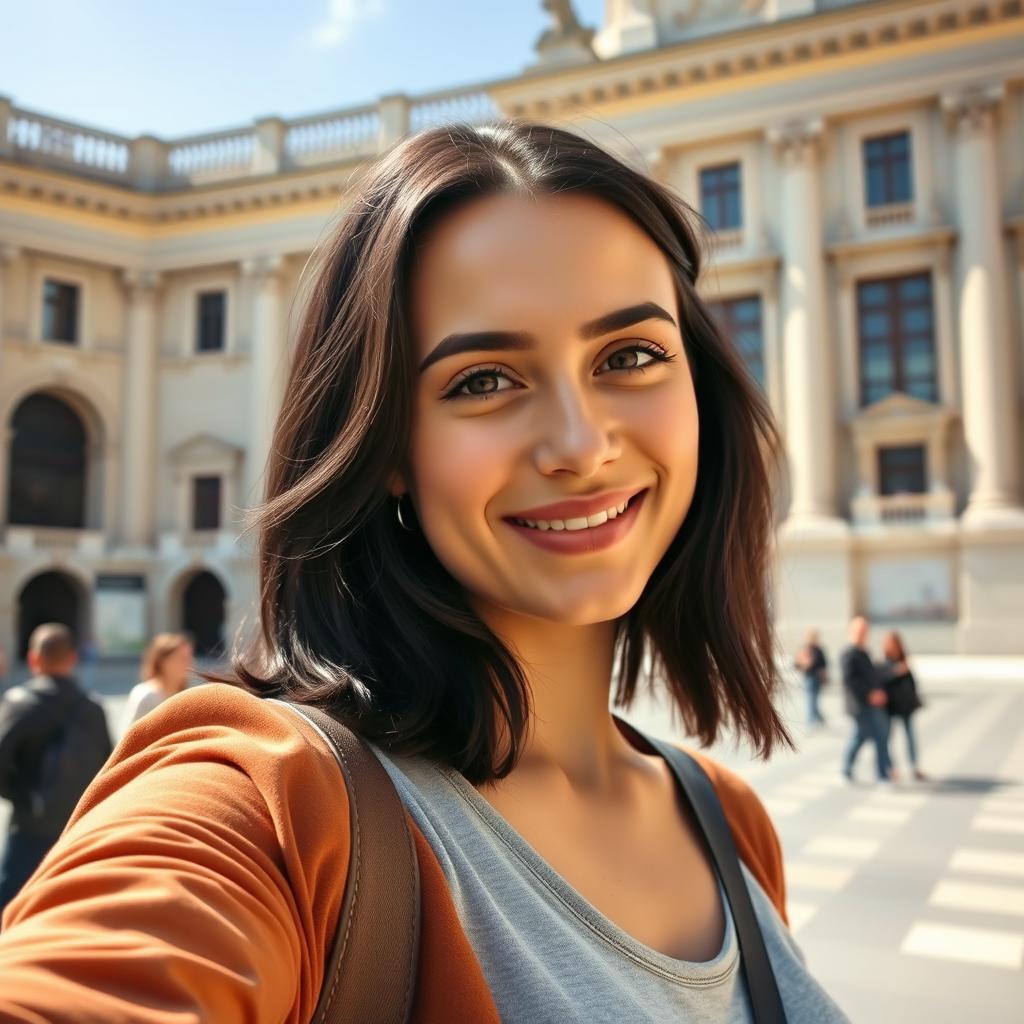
<point x="398" y="512"/>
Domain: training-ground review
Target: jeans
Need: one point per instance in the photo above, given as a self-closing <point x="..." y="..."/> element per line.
<point x="869" y="725"/>
<point x="812" y="684"/>
<point x="22" y="856"/>
<point x="908" y="726"/>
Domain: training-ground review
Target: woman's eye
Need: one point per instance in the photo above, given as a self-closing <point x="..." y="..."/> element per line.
<point x="634" y="357"/>
<point x="480" y="384"/>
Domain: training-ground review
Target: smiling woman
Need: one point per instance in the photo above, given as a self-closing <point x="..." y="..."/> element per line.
<point x="518" y="475"/>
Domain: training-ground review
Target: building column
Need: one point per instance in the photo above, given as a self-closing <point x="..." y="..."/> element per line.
<point x="807" y="362"/>
<point x="269" y="368"/>
<point x="139" y="466"/>
<point x="8" y="253"/>
<point x="986" y="356"/>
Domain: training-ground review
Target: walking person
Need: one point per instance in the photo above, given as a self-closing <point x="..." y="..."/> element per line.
<point x="813" y="666"/>
<point x="53" y="741"/>
<point x="903" y="698"/>
<point x="482" y="506"/>
<point x="165" y="671"/>
<point x="866" y="700"/>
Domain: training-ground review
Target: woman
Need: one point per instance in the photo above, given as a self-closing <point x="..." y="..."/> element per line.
<point x="813" y="664"/>
<point x="901" y="689"/>
<point x="483" y="504"/>
<point x="166" y="667"/>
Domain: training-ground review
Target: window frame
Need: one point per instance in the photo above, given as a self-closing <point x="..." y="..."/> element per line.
<point x="200" y="296"/>
<point x="720" y="193"/>
<point x="896" y="343"/>
<point x="195" y="504"/>
<point x="887" y="167"/>
<point x="728" y="323"/>
<point x="76" y="311"/>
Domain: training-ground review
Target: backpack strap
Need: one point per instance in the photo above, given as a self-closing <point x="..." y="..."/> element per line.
<point x="691" y="778"/>
<point x="371" y="971"/>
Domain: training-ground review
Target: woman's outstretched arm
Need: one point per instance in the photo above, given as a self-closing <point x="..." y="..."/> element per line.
<point x="199" y="879"/>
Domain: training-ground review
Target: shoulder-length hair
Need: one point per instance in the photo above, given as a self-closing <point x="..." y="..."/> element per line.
<point x="359" y="616"/>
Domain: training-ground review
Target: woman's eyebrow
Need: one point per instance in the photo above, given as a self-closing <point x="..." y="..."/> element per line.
<point x="491" y="341"/>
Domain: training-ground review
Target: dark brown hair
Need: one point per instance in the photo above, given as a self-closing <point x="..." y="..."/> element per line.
<point x="892" y="646"/>
<point x="359" y="616"/>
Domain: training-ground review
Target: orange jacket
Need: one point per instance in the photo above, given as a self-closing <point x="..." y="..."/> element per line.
<point x="200" y="877"/>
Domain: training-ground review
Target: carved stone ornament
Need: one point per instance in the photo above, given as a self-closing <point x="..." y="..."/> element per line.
<point x="565" y="40"/>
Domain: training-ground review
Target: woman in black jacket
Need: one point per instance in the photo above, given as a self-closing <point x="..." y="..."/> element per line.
<point x="901" y="688"/>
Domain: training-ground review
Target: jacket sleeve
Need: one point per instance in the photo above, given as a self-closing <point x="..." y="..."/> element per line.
<point x="757" y="842"/>
<point x="199" y="878"/>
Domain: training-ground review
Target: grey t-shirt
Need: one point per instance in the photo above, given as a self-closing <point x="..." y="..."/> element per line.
<point x="551" y="957"/>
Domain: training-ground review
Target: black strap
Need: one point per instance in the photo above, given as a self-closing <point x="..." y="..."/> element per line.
<point x="370" y="974"/>
<point x="762" y="988"/>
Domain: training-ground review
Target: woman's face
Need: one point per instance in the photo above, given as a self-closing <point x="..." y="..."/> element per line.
<point x="549" y="405"/>
<point x="178" y="663"/>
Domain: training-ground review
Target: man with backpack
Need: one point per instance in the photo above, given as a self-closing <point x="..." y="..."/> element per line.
<point x="53" y="741"/>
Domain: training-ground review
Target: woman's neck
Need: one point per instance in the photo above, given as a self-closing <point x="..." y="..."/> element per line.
<point x="572" y="732"/>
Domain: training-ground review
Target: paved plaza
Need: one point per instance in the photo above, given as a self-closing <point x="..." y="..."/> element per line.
<point x="908" y="901"/>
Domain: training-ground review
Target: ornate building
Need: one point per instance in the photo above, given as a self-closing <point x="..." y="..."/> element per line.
<point x="861" y="166"/>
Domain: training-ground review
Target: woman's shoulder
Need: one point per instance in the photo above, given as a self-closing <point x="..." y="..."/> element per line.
<point x="226" y="724"/>
<point x="757" y="842"/>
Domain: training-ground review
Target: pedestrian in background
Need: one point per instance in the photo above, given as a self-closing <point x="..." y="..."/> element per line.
<point x="813" y="665"/>
<point x="53" y="741"/>
<point x="903" y="698"/>
<point x="166" y="667"/>
<point x="866" y="700"/>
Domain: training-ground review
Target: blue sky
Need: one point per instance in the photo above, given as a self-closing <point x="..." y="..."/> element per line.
<point x="174" y="68"/>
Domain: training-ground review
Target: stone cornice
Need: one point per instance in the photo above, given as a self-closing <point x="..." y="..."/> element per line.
<point x="747" y="52"/>
<point x="938" y="236"/>
<point x="274" y="192"/>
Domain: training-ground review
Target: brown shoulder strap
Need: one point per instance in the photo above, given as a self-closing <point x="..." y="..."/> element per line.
<point x="371" y="972"/>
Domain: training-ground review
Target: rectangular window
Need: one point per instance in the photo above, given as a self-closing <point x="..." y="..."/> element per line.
<point x="740" y="319"/>
<point x="896" y="334"/>
<point x="720" y="196"/>
<point x="210" y="317"/>
<point x="887" y="175"/>
<point x="206" y="503"/>
<point x="902" y="470"/>
<point x="60" y="311"/>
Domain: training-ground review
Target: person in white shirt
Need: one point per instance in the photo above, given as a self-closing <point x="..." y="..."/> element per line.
<point x="166" y="667"/>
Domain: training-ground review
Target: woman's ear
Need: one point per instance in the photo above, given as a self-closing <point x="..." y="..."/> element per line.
<point x="396" y="485"/>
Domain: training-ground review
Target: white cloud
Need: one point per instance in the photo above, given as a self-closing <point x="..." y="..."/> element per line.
<point x="342" y="18"/>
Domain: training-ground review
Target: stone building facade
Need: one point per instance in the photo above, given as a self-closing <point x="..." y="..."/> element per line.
<point x="861" y="165"/>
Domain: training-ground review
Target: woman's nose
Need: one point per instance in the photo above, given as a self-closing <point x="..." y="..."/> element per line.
<point x="576" y="435"/>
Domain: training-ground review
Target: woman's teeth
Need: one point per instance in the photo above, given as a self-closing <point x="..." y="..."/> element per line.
<point x="580" y="523"/>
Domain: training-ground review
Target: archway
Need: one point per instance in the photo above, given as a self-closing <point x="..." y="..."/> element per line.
<point x="203" y="613"/>
<point x="49" y="597"/>
<point x="47" y="468"/>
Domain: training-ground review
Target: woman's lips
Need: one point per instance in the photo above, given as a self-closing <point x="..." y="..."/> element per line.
<point x="576" y="508"/>
<point x="594" y="538"/>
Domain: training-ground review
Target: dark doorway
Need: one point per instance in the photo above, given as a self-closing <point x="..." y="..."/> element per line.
<point x="47" y="465"/>
<point x="48" y="597"/>
<point x="203" y="614"/>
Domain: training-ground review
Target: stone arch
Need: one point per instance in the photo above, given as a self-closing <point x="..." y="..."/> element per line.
<point x="52" y="594"/>
<point x="199" y="599"/>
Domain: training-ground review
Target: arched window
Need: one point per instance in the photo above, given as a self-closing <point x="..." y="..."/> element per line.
<point x="47" y="465"/>
<point x="48" y="597"/>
